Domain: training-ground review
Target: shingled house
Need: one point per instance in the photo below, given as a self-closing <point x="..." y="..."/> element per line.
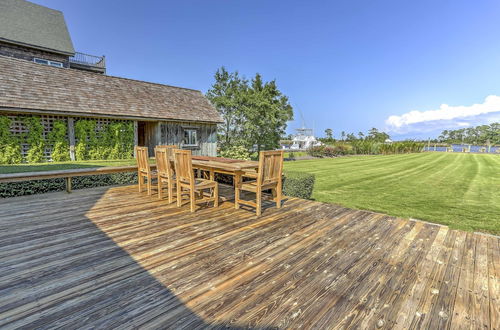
<point x="42" y="75"/>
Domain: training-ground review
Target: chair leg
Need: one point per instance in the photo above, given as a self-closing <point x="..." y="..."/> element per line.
<point x="179" y="195"/>
<point x="192" y="195"/>
<point x="279" y="194"/>
<point x="160" y="190"/>
<point x="259" y="203"/>
<point x="170" y="191"/>
<point x="149" y="184"/>
<point x="278" y="198"/>
<point x="216" y="195"/>
<point x="140" y="181"/>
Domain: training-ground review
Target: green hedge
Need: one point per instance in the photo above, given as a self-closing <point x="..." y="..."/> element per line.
<point x="295" y="184"/>
<point x="14" y="189"/>
<point x="298" y="184"/>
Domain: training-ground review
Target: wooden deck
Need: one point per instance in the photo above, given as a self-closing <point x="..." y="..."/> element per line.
<point x="111" y="257"/>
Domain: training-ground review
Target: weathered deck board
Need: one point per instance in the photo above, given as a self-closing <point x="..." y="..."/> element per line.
<point x="111" y="257"/>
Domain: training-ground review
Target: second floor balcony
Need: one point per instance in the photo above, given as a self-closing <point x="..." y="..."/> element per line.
<point x="88" y="62"/>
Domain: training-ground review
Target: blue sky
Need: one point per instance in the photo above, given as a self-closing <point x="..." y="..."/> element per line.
<point x="410" y="67"/>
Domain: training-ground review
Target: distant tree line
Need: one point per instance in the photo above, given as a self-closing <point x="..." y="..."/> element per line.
<point x="482" y="134"/>
<point x="255" y="112"/>
<point x="372" y="135"/>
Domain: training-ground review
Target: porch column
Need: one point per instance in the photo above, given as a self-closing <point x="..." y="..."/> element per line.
<point x="136" y="136"/>
<point x="71" y="137"/>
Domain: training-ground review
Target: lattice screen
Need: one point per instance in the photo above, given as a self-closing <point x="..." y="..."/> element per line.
<point x="19" y="129"/>
<point x="100" y="124"/>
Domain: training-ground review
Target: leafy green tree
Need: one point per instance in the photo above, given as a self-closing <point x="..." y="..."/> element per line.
<point x="351" y="137"/>
<point x="473" y="135"/>
<point x="227" y="95"/>
<point x="375" y="135"/>
<point x="342" y="134"/>
<point x="255" y="113"/>
<point x="361" y="135"/>
<point x="329" y="133"/>
<point x="266" y="112"/>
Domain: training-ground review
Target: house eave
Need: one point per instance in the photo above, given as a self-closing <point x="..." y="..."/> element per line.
<point x="97" y="115"/>
<point x="48" y="50"/>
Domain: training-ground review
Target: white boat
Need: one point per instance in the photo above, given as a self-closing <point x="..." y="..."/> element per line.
<point x="304" y="139"/>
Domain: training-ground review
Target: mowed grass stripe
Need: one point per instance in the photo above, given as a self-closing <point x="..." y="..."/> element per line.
<point x="454" y="189"/>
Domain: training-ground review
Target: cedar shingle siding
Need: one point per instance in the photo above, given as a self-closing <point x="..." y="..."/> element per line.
<point x="26" y="86"/>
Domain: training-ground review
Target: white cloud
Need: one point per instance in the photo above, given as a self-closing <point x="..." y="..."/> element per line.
<point x="460" y="116"/>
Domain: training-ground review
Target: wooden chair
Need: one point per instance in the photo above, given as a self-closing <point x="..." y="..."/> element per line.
<point x="143" y="168"/>
<point x="269" y="176"/>
<point x="185" y="180"/>
<point x="165" y="170"/>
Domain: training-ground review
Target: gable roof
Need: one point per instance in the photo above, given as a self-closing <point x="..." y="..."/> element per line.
<point x="26" y="86"/>
<point x="28" y="24"/>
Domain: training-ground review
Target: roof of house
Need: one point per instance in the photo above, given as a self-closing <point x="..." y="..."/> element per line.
<point x="29" y="24"/>
<point x="28" y="86"/>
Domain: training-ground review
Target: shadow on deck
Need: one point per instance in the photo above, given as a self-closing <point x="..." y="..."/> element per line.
<point x="113" y="257"/>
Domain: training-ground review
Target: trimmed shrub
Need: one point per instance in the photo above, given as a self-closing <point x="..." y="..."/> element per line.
<point x="13" y="189"/>
<point x="316" y="151"/>
<point x="298" y="184"/>
<point x="236" y="152"/>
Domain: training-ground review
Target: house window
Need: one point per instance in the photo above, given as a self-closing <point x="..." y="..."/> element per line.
<point x="190" y="137"/>
<point x="47" y="62"/>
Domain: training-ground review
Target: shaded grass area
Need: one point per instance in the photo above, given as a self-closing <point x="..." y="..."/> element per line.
<point x="458" y="190"/>
<point x="4" y="169"/>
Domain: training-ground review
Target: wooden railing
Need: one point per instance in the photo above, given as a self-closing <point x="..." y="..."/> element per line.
<point x="66" y="174"/>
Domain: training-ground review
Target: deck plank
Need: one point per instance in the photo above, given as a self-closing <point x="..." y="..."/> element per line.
<point x="113" y="257"/>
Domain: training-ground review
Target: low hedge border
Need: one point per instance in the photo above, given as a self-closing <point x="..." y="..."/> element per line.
<point x="13" y="189"/>
<point x="295" y="184"/>
<point x="298" y="184"/>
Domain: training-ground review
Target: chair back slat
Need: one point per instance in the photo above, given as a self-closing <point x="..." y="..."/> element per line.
<point x="163" y="166"/>
<point x="170" y="156"/>
<point x="141" y="155"/>
<point x="270" y="167"/>
<point x="183" y="166"/>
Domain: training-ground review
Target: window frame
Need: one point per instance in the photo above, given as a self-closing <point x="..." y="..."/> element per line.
<point x="54" y="64"/>
<point x="186" y="130"/>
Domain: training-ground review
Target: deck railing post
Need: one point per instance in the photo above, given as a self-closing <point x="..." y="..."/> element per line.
<point x="68" y="184"/>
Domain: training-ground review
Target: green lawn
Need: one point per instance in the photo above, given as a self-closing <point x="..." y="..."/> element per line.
<point x="458" y="190"/>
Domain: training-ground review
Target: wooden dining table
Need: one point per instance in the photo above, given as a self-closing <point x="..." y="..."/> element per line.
<point x="212" y="165"/>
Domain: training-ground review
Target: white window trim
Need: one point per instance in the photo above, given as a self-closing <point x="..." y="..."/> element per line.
<point x="49" y="62"/>
<point x="197" y="137"/>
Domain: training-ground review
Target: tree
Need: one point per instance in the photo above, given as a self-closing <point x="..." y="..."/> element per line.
<point x="254" y="113"/>
<point x="226" y="95"/>
<point x="350" y="137"/>
<point x="375" y="135"/>
<point x="474" y="135"/>
<point x="361" y="135"/>
<point x="266" y="112"/>
<point x="342" y="134"/>
<point x="329" y="133"/>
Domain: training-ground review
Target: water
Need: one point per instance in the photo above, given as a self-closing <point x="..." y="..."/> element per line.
<point x="459" y="148"/>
